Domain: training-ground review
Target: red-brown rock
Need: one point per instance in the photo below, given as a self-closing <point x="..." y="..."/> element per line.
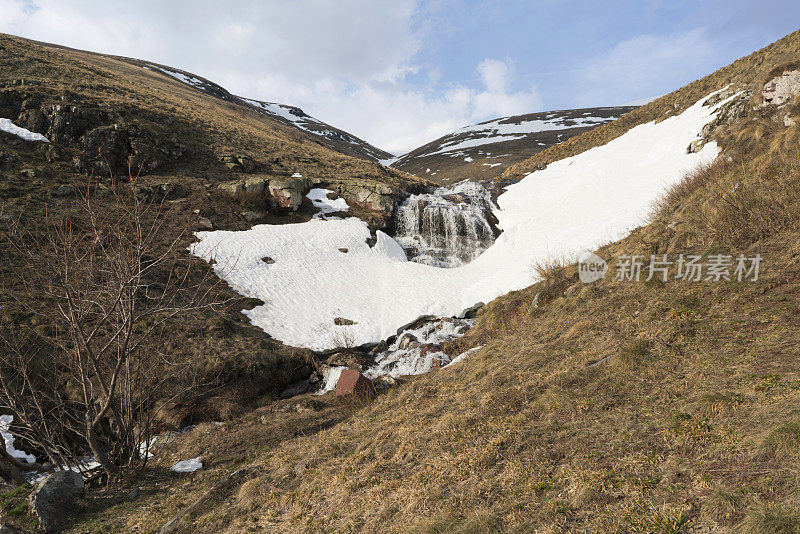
<point x="352" y="382"/>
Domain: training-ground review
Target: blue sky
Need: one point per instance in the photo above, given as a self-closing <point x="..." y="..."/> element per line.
<point x="399" y="73"/>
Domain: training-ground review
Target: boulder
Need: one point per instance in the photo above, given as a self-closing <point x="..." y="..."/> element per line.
<point x="298" y="388"/>
<point x="232" y="188"/>
<point x="54" y="497"/>
<point x="696" y="146"/>
<point x="239" y="163"/>
<point x="406" y="340"/>
<point x="341" y="321"/>
<point x="782" y="89"/>
<point x="352" y="382"/>
<point x="471" y="312"/>
<point x="256" y="185"/>
<point x="61" y="191"/>
<point x="288" y="193"/>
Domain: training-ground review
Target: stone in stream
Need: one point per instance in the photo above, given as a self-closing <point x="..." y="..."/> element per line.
<point x="352" y="382"/>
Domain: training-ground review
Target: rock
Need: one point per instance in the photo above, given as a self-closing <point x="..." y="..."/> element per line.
<point x="252" y="216"/>
<point x="782" y="89"/>
<point x="289" y="193"/>
<point x="267" y="260"/>
<point x="255" y="186"/>
<point x="346" y="358"/>
<point x="301" y="467"/>
<point x="132" y="495"/>
<point x="239" y="163"/>
<point x="169" y="190"/>
<point x="789" y="121"/>
<point x="406" y="340"/>
<point x="232" y="188"/>
<point x="28" y="173"/>
<point x="343" y="250"/>
<point x="8" y="529"/>
<point x="352" y="382"/>
<point x="416" y="323"/>
<point x="204" y="223"/>
<point x="61" y="191"/>
<point x="696" y="146"/>
<point x="296" y="389"/>
<point x="470" y="312"/>
<point x="54" y="496"/>
<point x="341" y="321"/>
<point x="373" y="196"/>
<point x="33" y="120"/>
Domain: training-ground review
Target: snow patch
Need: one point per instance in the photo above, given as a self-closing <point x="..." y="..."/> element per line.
<point x="574" y="204"/>
<point x="319" y="199"/>
<point x="8" y="439"/>
<point x="188" y="466"/>
<point x="7" y="126"/>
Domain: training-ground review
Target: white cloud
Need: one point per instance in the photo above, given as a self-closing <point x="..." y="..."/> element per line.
<point x="644" y="66"/>
<point x="349" y="63"/>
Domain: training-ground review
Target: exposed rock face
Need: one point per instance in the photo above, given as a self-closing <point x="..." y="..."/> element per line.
<point x="288" y="193"/>
<point x="782" y="89"/>
<point x="352" y="382"/>
<point x="121" y="148"/>
<point x="102" y="141"/>
<point x="239" y="163"/>
<point x="54" y="497"/>
<point x="373" y="196"/>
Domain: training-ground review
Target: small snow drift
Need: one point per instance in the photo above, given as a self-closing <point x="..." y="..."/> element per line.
<point x="327" y="202"/>
<point x="574" y="204"/>
<point x="188" y="466"/>
<point x="7" y="126"/>
<point x="8" y="439"/>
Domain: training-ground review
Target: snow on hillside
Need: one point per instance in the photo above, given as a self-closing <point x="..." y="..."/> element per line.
<point x="298" y="118"/>
<point x="513" y="128"/>
<point x="574" y="204"/>
<point x="7" y="126"/>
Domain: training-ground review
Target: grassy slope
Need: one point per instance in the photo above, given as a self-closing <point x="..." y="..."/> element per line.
<point x="615" y="407"/>
<point x="208" y="126"/>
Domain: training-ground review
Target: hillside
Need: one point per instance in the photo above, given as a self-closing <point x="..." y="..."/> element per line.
<point x="617" y="406"/>
<point x="483" y="151"/>
<point x="204" y="159"/>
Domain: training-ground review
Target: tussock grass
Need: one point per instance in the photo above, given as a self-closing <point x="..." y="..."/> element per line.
<point x="783" y="440"/>
<point x="770" y="520"/>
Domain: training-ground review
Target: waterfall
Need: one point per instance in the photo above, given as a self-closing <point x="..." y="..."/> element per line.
<point x="446" y="228"/>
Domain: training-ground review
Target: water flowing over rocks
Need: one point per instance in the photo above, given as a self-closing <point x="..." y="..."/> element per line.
<point x="448" y="227"/>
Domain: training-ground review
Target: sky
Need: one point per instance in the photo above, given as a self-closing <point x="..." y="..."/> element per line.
<point x="400" y="73"/>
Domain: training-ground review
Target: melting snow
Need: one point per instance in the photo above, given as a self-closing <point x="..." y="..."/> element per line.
<point x="188" y="466"/>
<point x="574" y="204"/>
<point x="464" y="355"/>
<point x="8" y="438"/>
<point x="319" y="198"/>
<point x="7" y="126"/>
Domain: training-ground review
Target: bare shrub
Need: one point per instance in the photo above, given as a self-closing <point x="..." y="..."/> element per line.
<point x="102" y="280"/>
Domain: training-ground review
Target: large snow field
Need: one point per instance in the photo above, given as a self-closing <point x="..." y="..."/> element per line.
<point x="574" y="204"/>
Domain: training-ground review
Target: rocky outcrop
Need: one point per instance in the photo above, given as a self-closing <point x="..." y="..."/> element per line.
<point x="782" y="89"/>
<point x="373" y="196"/>
<point x="239" y="163"/>
<point x="288" y="193"/>
<point x="103" y="142"/>
<point x="123" y="148"/>
<point x="54" y="497"/>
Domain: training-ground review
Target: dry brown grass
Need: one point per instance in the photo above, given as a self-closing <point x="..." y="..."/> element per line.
<point x="540" y="430"/>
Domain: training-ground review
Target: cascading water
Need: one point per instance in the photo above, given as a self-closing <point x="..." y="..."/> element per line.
<point x="446" y="228"/>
